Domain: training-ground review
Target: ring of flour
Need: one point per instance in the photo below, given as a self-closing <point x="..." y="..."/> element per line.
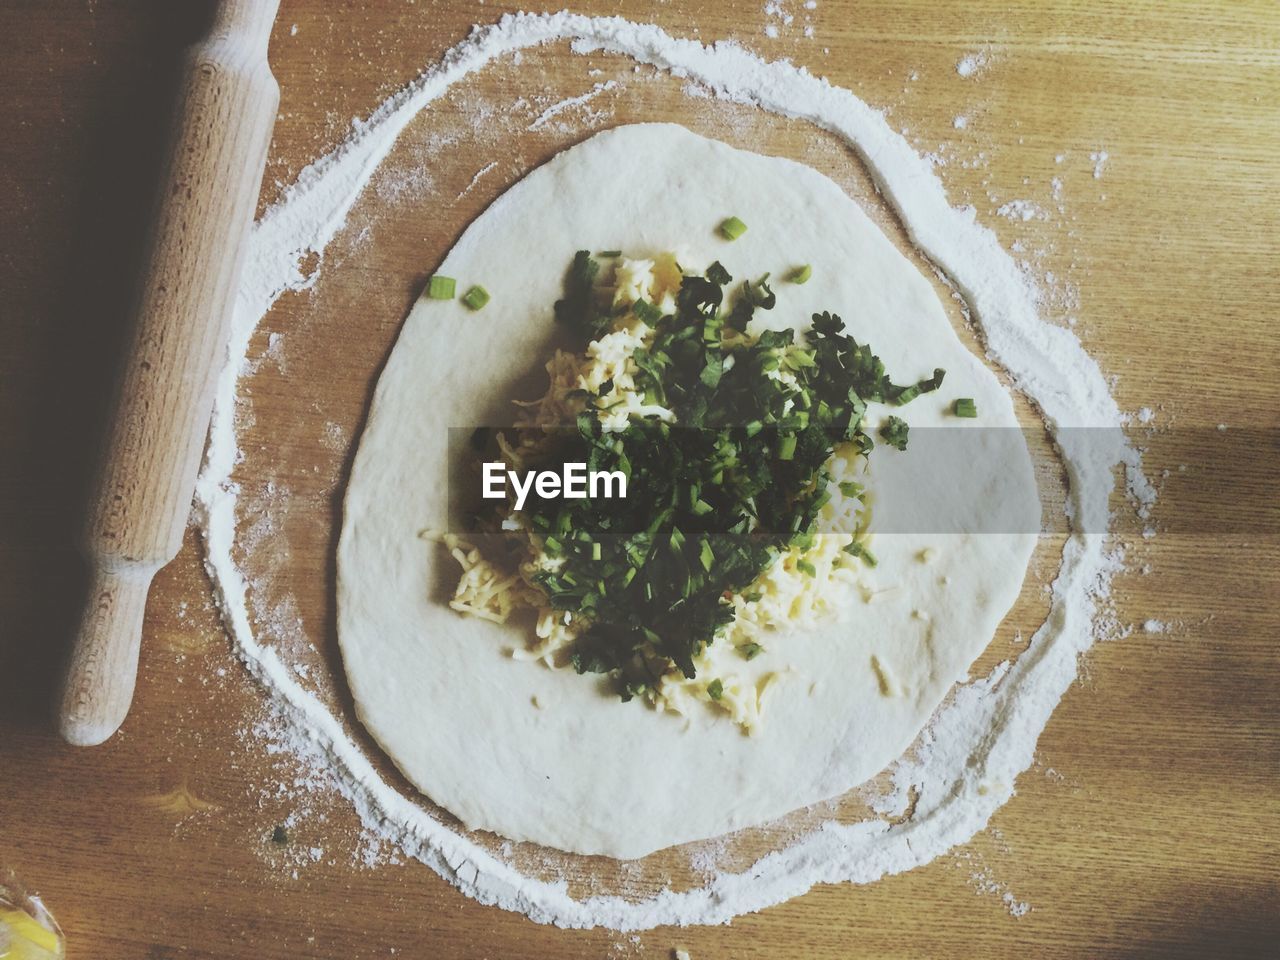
<point x="977" y="744"/>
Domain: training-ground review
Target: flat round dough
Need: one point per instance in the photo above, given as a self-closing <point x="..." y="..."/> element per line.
<point x="544" y="755"/>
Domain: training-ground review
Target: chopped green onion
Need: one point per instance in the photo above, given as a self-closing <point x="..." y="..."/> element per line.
<point x="965" y="407"/>
<point x="802" y="274"/>
<point x="787" y="447"/>
<point x="805" y="566"/>
<point x="441" y="288"/>
<point x="476" y="297"/>
<point x="715" y="689"/>
<point x="595" y="551"/>
<point x="750" y="650"/>
<point x="647" y="312"/>
<point x="707" y="556"/>
<point x="609" y="254"/>
<point x="732" y="228"/>
<point x="859" y="550"/>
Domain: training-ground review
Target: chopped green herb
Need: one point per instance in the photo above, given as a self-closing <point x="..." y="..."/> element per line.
<point x="806" y="567"/>
<point x="609" y="254"/>
<point x="894" y="432"/>
<point x="476" y="297"/>
<point x="647" y="312"/>
<point x="859" y="550"/>
<point x="732" y="228"/>
<point x="715" y="689"/>
<point x="801" y="274"/>
<point x="750" y="650"/>
<point x="441" y="288"/>
<point x="576" y="310"/>
<point x="965" y="407"/>
<point x="714" y="499"/>
<point x="280" y="835"/>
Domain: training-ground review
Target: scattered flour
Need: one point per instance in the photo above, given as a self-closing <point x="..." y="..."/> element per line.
<point x="476" y="179"/>
<point x="969" y="757"/>
<point x="971" y="63"/>
<point x="556" y="109"/>
<point x="1154" y="626"/>
<point x="1099" y="158"/>
<point x="1022" y="210"/>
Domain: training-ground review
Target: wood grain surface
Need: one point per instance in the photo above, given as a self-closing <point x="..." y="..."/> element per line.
<point x="1147" y="827"/>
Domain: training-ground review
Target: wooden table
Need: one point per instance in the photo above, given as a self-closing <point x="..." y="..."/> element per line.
<point x="1148" y="825"/>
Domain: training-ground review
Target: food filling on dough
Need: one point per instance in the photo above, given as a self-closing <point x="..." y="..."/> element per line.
<point x="743" y="452"/>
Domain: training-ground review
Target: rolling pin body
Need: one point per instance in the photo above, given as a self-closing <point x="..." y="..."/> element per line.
<point x="164" y="399"/>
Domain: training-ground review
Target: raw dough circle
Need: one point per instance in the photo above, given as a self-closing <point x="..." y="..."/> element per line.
<point x="580" y="771"/>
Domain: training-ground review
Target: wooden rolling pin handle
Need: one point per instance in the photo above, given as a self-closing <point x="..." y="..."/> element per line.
<point x="100" y="684"/>
<point x="164" y="397"/>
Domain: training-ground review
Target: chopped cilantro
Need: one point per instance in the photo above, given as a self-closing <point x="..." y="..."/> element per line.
<point x="894" y="432"/>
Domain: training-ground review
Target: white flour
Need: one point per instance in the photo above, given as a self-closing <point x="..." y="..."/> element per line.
<point x="974" y="748"/>
<point x="971" y="63"/>
<point x="558" y="108"/>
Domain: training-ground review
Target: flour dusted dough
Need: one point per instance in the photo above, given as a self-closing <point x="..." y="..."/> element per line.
<point x="548" y="756"/>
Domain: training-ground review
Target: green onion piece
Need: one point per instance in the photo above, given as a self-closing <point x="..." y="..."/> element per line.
<point x="750" y="650"/>
<point x="476" y="297"/>
<point x="787" y="447"/>
<point x="965" y="407"/>
<point x="801" y="274"/>
<point x="647" y="312"/>
<point x="609" y="254"/>
<point x="595" y="551"/>
<point x="732" y="228"/>
<point x="441" y="288"/>
<point x="715" y="689"/>
<point x="804" y="566"/>
<point x="857" y="549"/>
<point x="707" y="556"/>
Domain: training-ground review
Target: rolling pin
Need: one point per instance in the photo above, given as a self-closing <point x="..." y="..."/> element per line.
<point x="164" y="396"/>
